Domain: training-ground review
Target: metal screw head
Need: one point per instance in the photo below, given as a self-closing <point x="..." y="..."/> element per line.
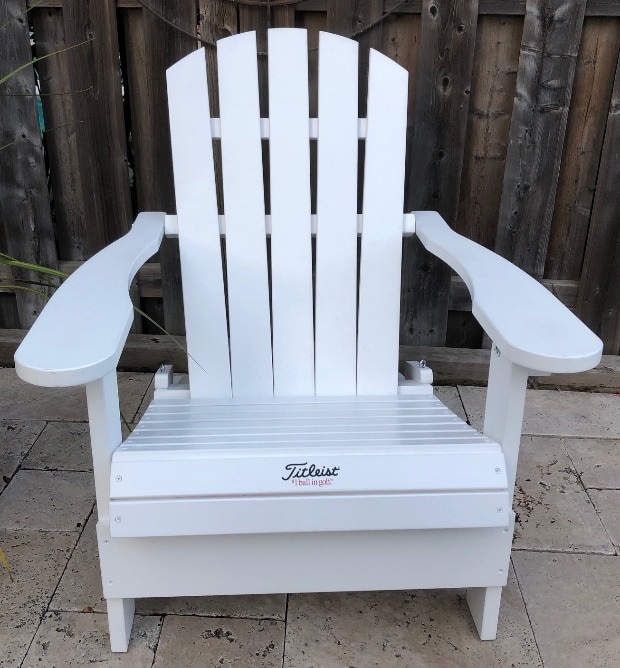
<point x="498" y="471"/>
<point x="120" y="477"/>
<point x="117" y="519"/>
<point x="499" y="510"/>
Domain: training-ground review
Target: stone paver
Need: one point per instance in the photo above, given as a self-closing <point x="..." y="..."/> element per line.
<point x="426" y="628"/>
<point x="597" y="461"/>
<point x="16" y="439"/>
<point x="451" y="398"/>
<point x="574" y="607"/>
<point x="199" y="641"/>
<point x="553" y="413"/>
<point x="553" y="510"/>
<point x="80" y="589"/>
<point x="47" y="500"/>
<point x="37" y="559"/>
<point x="22" y="401"/>
<point x="63" y="446"/>
<point x="571" y="593"/>
<point x="69" y="639"/>
<point x="607" y="504"/>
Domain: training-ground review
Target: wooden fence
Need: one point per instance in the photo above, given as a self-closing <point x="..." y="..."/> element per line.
<point x="514" y="136"/>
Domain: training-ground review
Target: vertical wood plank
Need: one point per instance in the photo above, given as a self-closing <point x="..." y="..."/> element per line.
<point x="100" y="127"/>
<point x="336" y="239"/>
<point x="488" y="126"/>
<point x="596" y="63"/>
<point x="379" y="287"/>
<point x="199" y="235"/>
<point x="598" y="301"/>
<point x="551" y="35"/>
<point x="73" y="237"/>
<point x="24" y="198"/>
<point x="291" y="252"/>
<point x="216" y="19"/>
<point x="246" y="247"/>
<point x="442" y="89"/>
<point x="151" y="47"/>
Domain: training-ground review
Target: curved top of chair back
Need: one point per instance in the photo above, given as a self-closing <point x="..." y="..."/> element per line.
<point x="273" y="318"/>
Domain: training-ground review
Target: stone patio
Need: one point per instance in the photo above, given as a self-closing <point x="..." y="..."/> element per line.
<point x="561" y="607"/>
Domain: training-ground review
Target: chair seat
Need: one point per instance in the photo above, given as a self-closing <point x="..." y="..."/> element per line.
<point x="304" y="464"/>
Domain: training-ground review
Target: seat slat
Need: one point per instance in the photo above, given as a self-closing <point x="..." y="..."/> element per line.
<point x="291" y="251"/>
<point x="199" y="234"/>
<point x="244" y="205"/>
<point x="380" y="262"/>
<point x="336" y="239"/>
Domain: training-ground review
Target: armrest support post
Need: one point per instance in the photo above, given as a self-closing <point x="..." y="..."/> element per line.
<point x="503" y="415"/>
<point x="105" y="434"/>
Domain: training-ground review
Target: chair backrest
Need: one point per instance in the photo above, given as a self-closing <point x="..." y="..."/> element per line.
<point x="284" y="327"/>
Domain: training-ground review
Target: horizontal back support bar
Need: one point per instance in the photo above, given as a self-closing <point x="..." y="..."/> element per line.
<point x="313" y="128"/>
<point x="172" y="225"/>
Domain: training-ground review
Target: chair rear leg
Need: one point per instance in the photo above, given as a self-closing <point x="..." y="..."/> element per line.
<point x="120" y="621"/>
<point x="484" y="607"/>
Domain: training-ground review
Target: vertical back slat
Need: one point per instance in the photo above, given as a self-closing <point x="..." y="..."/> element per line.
<point x="291" y="250"/>
<point x="244" y="208"/>
<point x="199" y="238"/>
<point x="380" y="263"/>
<point x="336" y="243"/>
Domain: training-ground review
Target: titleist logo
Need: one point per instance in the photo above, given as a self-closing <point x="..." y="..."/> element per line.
<point x="303" y="470"/>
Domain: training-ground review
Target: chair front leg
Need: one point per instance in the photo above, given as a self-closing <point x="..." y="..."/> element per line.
<point x="105" y="436"/>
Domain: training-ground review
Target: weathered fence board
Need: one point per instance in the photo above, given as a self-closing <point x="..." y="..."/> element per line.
<point x="151" y="47"/>
<point x="457" y="143"/>
<point x="24" y="198"/>
<point x="488" y="128"/>
<point x="551" y="35"/>
<point x="100" y="127"/>
<point x="596" y="63"/>
<point x="73" y="239"/>
<point x="599" y="290"/>
<point x="442" y="90"/>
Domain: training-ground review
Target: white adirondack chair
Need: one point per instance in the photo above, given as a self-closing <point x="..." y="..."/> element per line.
<point x="297" y="459"/>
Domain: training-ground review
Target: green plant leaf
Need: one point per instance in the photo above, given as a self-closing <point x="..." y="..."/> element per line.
<point x="12" y="73"/>
<point x="12" y="262"/>
<point x="5" y="563"/>
<point x="23" y="280"/>
<point x="23" y="287"/>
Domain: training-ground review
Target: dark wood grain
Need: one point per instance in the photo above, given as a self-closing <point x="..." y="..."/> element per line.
<point x="73" y="237"/>
<point x="551" y="35"/>
<point x="500" y="7"/>
<point x="488" y="126"/>
<point x="151" y="47"/>
<point x="596" y="63"/>
<point x="100" y="126"/>
<point x="435" y="157"/>
<point x="24" y="198"/>
<point x="599" y="290"/>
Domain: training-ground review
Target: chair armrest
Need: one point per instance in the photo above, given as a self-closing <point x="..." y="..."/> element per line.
<point x="81" y="332"/>
<point x="527" y="323"/>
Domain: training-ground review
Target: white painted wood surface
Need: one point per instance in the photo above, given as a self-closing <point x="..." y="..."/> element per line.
<point x="528" y="324"/>
<point x="80" y="334"/>
<point x="303" y="562"/>
<point x="291" y="250"/>
<point x="244" y="205"/>
<point x="304" y="513"/>
<point x="199" y="240"/>
<point x="384" y="178"/>
<point x="172" y="227"/>
<point x="336" y="239"/>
